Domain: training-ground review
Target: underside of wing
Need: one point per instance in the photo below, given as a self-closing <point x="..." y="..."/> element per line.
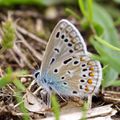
<point x="76" y="76"/>
<point x="64" y="41"/>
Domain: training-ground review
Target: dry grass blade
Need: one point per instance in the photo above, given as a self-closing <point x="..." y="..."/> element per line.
<point x="35" y="53"/>
<point x="99" y="113"/>
<point x="34" y="37"/>
<point x="112" y="96"/>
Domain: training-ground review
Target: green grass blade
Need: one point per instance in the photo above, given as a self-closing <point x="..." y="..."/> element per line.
<point x="116" y="83"/>
<point x="19" y="85"/>
<point x="90" y="10"/>
<point x="107" y="44"/>
<point x="71" y="12"/>
<point x="82" y="8"/>
<point x="21" y="106"/>
<point x="55" y="107"/>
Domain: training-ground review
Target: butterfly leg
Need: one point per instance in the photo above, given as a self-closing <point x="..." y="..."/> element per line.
<point x="49" y="95"/>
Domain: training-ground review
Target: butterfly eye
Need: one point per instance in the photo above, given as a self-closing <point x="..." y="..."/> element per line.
<point x="36" y="74"/>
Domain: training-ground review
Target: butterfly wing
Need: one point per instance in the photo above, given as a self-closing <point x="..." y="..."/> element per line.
<point x="76" y="76"/>
<point x="64" y="40"/>
<point x="66" y="66"/>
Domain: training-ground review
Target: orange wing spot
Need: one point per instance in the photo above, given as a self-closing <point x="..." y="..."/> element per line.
<point x="82" y="59"/>
<point x="86" y="88"/>
<point x="90" y="81"/>
<point x="91" y="74"/>
<point x="89" y="63"/>
<point x="91" y="68"/>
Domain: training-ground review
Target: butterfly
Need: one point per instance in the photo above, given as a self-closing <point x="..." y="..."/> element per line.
<point x="67" y="68"/>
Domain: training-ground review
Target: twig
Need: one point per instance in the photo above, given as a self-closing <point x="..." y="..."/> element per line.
<point x="16" y="59"/>
<point x="34" y="37"/>
<point x="22" y="56"/>
<point x="111" y="96"/>
<point x="35" y="53"/>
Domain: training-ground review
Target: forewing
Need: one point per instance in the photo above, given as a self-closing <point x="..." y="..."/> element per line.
<point x="65" y="40"/>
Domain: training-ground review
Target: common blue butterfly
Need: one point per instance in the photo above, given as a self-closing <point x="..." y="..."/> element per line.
<point x="67" y="68"/>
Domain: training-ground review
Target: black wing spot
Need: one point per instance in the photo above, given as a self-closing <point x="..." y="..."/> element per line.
<point x="57" y="50"/>
<point x="82" y="80"/>
<point x="83" y="65"/>
<point x="67" y="61"/>
<point x="45" y="80"/>
<point x="76" y="62"/>
<point x="84" y="75"/>
<point x="53" y="59"/>
<point x="69" y="44"/>
<point x="69" y="72"/>
<point x="62" y="77"/>
<point x="62" y="36"/>
<point x="36" y="74"/>
<point x="50" y="88"/>
<point x="74" y="92"/>
<point x="84" y="69"/>
<point x="55" y="70"/>
<point x="65" y="83"/>
<point x="81" y="87"/>
<point x="58" y="34"/>
<point x="66" y="40"/>
<point x="71" y="51"/>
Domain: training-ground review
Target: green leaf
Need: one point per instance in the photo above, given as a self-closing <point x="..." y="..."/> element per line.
<point x="19" y="85"/>
<point x="117" y="1"/>
<point x="5" y="80"/>
<point x="108" y="73"/>
<point x="98" y="29"/>
<point x="108" y="56"/>
<point x="116" y="83"/>
<point x="86" y="7"/>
